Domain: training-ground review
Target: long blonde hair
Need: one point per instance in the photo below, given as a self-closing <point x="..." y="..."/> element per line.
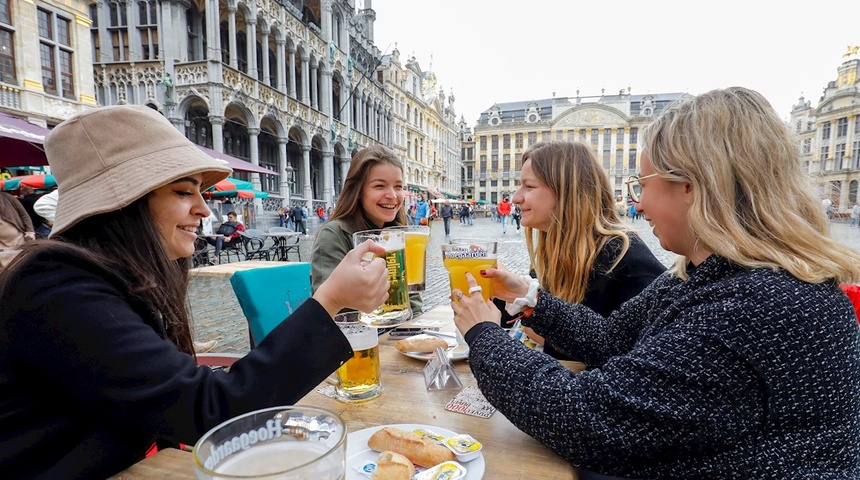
<point x="583" y="222"/>
<point x="752" y="199"/>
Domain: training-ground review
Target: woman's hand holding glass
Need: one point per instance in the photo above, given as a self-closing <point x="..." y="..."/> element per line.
<point x="358" y="282"/>
<point x="506" y="285"/>
<point x="470" y="310"/>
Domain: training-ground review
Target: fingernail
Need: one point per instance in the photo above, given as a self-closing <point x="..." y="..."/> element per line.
<point x="483" y="272"/>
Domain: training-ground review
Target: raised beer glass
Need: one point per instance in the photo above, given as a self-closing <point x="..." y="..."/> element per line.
<point x="396" y="309"/>
<point x="464" y="255"/>
<point x="284" y="443"/>
<point x="359" y="378"/>
<point x="417" y="239"/>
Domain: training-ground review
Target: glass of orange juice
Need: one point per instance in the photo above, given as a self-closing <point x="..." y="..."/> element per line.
<point x="417" y="239"/>
<point x="461" y="256"/>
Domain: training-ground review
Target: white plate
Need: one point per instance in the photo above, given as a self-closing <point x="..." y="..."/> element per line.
<point x="358" y="453"/>
<point x="455" y="351"/>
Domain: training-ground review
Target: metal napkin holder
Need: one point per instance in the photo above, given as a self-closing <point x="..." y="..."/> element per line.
<point x="439" y="373"/>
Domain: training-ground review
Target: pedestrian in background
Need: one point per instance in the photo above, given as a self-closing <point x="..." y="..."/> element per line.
<point x="421" y="212"/>
<point x="716" y="369"/>
<point x="517" y="214"/>
<point x="504" y="213"/>
<point x="855" y="214"/>
<point x="446" y="211"/>
<point x="16" y="228"/>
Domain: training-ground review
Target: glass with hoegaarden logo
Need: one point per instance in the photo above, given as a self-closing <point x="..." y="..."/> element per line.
<point x="284" y="443"/>
<point x="467" y="255"/>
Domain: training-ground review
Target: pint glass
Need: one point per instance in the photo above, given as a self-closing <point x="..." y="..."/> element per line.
<point x="284" y="443"/>
<point x="396" y="309"/>
<point x="461" y="256"/>
<point x="417" y="239"/>
<point x="358" y="378"/>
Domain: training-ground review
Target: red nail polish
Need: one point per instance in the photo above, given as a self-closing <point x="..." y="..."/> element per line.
<point x="483" y="272"/>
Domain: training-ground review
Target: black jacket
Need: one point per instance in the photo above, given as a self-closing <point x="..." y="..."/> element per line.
<point x="88" y="380"/>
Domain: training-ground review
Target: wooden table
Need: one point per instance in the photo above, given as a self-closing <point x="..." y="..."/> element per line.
<point x="509" y="453"/>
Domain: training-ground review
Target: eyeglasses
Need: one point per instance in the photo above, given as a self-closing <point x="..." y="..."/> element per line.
<point x="634" y="186"/>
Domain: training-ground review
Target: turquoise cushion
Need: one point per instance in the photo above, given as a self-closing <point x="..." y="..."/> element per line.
<point x="268" y="295"/>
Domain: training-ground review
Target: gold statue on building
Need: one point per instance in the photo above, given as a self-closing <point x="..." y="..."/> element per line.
<point x="852" y="50"/>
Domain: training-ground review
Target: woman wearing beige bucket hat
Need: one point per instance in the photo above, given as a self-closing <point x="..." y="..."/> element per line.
<point x="96" y="355"/>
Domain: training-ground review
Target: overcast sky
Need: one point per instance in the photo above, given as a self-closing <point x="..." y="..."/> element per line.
<point x="487" y="52"/>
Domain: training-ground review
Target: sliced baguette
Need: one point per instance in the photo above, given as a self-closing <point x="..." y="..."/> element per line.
<point x="419" y="450"/>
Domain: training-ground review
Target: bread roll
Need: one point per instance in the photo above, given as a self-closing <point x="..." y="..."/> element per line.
<point x="419" y="450"/>
<point x="392" y="466"/>
<point x="421" y="343"/>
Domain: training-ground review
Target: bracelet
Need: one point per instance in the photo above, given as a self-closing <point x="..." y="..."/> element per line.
<point x="527" y="302"/>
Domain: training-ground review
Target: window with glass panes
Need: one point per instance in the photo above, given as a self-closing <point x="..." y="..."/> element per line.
<point x="494" y="143"/>
<point x="838" y="155"/>
<point x="268" y="145"/>
<point x="506" y="162"/>
<point x="545" y="136"/>
<point x="825" y="131"/>
<point x="7" y="44"/>
<point x="147" y="21"/>
<point x="55" y="53"/>
<point x="118" y="30"/>
<point x="518" y="140"/>
<point x="506" y="141"/>
<point x="494" y="166"/>
<point x="483" y="163"/>
<point x="532" y="138"/>
<point x="595" y="135"/>
<point x="518" y="162"/>
<point x="483" y="143"/>
<point x="841" y="127"/>
<point x="634" y="136"/>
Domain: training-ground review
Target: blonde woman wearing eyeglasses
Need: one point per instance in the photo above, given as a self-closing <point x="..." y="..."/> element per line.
<point x="742" y="361"/>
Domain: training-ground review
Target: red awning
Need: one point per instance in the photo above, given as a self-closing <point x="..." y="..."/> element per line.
<point x="236" y="164"/>
<point x="435" y="193"/>
<point x="21" y="142"/>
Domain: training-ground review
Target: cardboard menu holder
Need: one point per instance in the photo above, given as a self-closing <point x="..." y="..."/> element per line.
<point x="439" y="374"/>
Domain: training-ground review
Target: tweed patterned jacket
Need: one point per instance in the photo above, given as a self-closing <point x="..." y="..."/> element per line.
<point x="734" y="373"/>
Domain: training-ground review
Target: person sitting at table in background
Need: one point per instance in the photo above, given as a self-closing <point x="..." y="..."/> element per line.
<point x="371" y="198"/>
<point x="580" y="250"/>
<point x="96" y="357"/>
<point x="742" y="361"/>
<point x="229" y="232"/>
<point x="46" y="207"/>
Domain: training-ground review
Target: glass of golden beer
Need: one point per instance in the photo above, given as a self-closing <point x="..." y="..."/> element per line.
<point x="284" y="443"/>
<point x="417" y="239"/>
<point x="358" y="378"/>
<point x="396" y="309"/>
<point x="461" y="256"/>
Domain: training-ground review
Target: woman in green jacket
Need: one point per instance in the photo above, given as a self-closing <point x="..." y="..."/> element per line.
<point x="371" y="198"/>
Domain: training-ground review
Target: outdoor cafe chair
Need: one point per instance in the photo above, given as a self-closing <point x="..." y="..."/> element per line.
<point x="287" y="244"/>
<point x="254" y="242"/>
<point x="268" y="295"/>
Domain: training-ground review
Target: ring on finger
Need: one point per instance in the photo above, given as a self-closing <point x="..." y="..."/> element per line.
<point x="459" y="295"/>
<point x="475" y="289"/>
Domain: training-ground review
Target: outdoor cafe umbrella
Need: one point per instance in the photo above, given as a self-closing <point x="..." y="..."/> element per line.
<point x="21" y="142"/>
<point x="247" y="193"/>
<point x="231" y="183"/>
<point x="38" y="182"/>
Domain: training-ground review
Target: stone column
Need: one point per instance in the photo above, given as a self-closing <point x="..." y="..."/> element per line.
<point x="306" y="92"/>
<point x="251" y="43"/>
<point x="254" y="134"/>
<point x="307" y="191"/>
<point x="213" y="32"/>
<point x="282" y="169"/>
<point x="217" y="132"/>
<point x="328" y="177"/>
<point x="326" y="101"/>
<point x="291" y="70"/>
<point x="231" y="36"/>
<point x="281" y="73"/>
<point x="264" y="43"/>
<point x="314" y="92"/>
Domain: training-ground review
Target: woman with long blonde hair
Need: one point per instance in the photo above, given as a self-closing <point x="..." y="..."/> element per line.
<point x="579" y="248"/>
<point x="743" y="361"/>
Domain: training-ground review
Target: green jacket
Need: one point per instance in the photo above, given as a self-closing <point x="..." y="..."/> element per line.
<point x="333" y="241"/>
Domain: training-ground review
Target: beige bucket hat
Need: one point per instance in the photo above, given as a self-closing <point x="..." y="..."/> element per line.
<point x="106" y="158"/>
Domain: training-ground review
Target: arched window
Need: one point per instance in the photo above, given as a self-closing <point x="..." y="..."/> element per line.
<point x="197" y="126"/>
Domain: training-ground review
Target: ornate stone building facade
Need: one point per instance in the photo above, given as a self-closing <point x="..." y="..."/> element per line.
<point x="424" y="127"/>
<point x="609" y="123"/>
<point x="829" y="134"/>
<point x="45" y="60"/>
<point x="288" y="85"/>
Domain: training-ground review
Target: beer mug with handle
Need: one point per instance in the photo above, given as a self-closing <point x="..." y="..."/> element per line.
<point x="417" y="239"/>
<point x="396" y="309"/>
<point x="359" y="378"/>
